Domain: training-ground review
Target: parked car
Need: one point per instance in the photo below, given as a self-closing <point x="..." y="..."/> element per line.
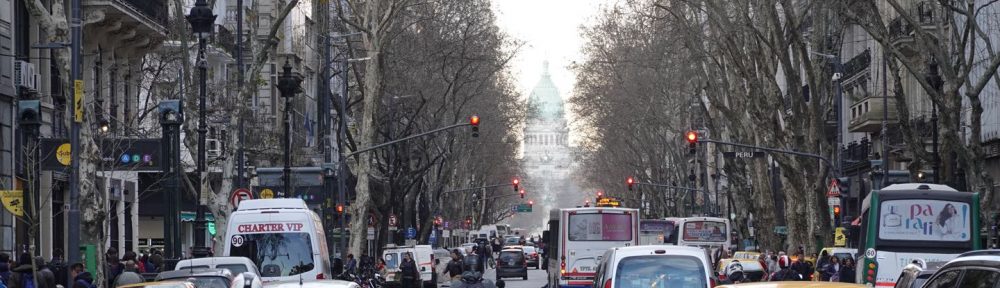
<point x="424" y="257"/>
<point x="970" y="269"/>
<point x="161" y="284"/>
<point x="511" y="264"/>
<point x="209" y="278"/>
<point x="234" y="264"/>
<point x="533" y="256"/>
<point x="670" y="266"/>
<point x="314" y="284"/>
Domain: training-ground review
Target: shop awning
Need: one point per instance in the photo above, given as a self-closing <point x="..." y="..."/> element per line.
<point x="188" y="216"/>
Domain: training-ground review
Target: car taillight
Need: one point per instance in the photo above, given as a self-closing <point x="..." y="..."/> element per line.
<point x="562" y="267"/>
<point x="607" y="284"/>
<point x="320" y="276"/>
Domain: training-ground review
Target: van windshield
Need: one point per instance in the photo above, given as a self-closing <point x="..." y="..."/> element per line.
<point x="660" y="272"/>
<point x="277" y="254"/>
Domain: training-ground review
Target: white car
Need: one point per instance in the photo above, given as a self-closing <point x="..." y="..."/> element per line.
<point x="211" y="278"/>
<point x="669" y="266"/>
<point x="424" y="257"/>
<point x="314" y="284"/>
<point x="236" y="265"/>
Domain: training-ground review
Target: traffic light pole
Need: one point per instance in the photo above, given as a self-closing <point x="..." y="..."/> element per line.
<point x="775" y="150"/>
<point x="476" y="188"/>
<point x="393" y="142"/>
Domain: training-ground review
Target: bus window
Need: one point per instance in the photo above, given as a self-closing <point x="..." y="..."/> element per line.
<point x="600" y="227"/>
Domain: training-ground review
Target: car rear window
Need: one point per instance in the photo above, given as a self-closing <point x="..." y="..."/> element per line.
<point x="235" y="268"/>
<point x="192" y="268"/>
<point x="508" y="256"/>
<point x="660" y="272"/>
<point x="528" y="249"/>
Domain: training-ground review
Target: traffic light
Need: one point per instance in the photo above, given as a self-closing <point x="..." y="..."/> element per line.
<point x="468" y="221"/>
<point x="531" y="203"/>
<point x="631" y="183"/>
<point x="474" y="121"/>
<point x="340" y="209"/>
<point x="600" y="194"/>
<point x="522" y="193"/>
<point x="836" y="215"/>
<point x="692" y="138"/>
<point x="517" y="185"/>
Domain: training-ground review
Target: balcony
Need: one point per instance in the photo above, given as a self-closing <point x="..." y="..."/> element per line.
<point x="903" y="34"/>
<point x="867" y="114"/>
<point x="133" y="23"/>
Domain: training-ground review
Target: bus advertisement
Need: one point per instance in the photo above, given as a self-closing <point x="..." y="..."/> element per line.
<point x="914" y="222"/>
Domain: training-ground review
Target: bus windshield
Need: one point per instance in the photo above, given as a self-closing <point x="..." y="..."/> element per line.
<point x="925" y="220"/>
<point x="277" y="254"/>
<point x="600" y="227"/>
<point x="705" y="231"/>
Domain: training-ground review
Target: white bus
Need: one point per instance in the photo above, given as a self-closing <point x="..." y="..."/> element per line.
<point x="710" y="233"/>
<point x="579" y="236"/>
<point x="656" y="231"/>
<point x="503" y="230"/>
<point x="283" y="237"/>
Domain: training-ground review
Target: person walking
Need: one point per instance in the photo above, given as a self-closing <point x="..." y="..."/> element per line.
<point x="800" y="266"/>
<point x="786" y="273"/>
<point x="156" y="259"/>
<point x="408" y="269"/>
<point x="847" y="271"/>
<point x="454" y="268"/>
<point x="831" y="273"/>
<point x="130" y="275"/>
<point x="58" y="267"/>
<point x="352" y="264"/>
<point x="23" y="276"/>
<point x="81" y="278"/>
<point x="112" y="268"/>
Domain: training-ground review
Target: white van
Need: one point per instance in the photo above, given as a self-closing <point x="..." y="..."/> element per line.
<point x="283" y="237"/>
<point x="424" y="257"/>
<point x="490" y="231"/>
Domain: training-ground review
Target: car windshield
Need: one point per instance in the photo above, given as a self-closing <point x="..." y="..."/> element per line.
<point x="235" y="268"/>
<point x="277" y="254"/>
<point x="660" y="272"/>
<point x="205" y="281"/>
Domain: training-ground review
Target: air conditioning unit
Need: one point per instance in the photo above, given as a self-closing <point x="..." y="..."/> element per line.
<point x="24" y="75"/>
<point x="214" y="148"/>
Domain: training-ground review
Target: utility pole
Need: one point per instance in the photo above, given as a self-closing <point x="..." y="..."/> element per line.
<point x="240" y="156"/>
<point x="73" y="213"/>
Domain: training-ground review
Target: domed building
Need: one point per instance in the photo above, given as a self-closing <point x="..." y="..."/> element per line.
<point x="548" y="159"/>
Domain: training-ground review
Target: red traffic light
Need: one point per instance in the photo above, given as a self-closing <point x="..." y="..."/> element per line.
<point x="836" y="210"/>
<point x="600" y="194"/>
<point x="631" y="183"/>
<point x="474" y="120"/>
<point x="692" y="137"/>
<point x="340" y="209"/>
<point x="531" y="202"/>
<point x="522" y="193"/>
<point x="517" y="186"/>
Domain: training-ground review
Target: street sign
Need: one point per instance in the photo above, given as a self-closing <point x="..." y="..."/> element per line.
<point x="523" y="208"/>
<point x="839" y="239"/>
<point x="240" y="194"/>
<point x="446" y="233"/>
<point x="393" y="221"/>
<point x="743" y="155"/>
<point x="834" y="190"/>
<point x="266" y="194"/>
<point x="411" y="233"/>
<point x="371" y="233"/>
<point x="446" y="224"/>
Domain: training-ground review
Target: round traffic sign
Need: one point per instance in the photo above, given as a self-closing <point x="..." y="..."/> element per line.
<point x="392" y="220"/>
<point x="266" y="193"/>
<point x="870" y="253"/>
<point x="240" y="194"/>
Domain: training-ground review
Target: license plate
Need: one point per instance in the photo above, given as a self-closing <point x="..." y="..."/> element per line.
<point x="585" y="268"/>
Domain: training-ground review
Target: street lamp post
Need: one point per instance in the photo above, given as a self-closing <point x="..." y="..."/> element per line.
<point x="29" y="119"/>
<point x="171" y="118"/>
<point x="288" y="85"/>
<point x="201" y="19"/>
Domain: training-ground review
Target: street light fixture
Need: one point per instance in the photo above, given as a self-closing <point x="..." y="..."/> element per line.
<point x="201" y="19"/>
<point x="288" y="85"/>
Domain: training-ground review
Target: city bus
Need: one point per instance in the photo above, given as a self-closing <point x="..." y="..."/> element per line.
<point x="579" y="237"/>
<point x="913" y="222"/>
<point x="656" y="231"/>
<point x="711" y="233"/>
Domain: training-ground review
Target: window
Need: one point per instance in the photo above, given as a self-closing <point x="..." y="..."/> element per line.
<point x="945" y="280"/>
<point x="979" y="278"/>
<point x="600" y="227"/>
<point x="278" y="254"/>
<point x="660" y="272"/>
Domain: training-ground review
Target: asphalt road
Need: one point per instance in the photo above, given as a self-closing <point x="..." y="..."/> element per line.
<point x="536" y="279"/>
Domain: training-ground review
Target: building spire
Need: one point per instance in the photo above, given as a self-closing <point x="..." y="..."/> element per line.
<point x="545" y="68"/>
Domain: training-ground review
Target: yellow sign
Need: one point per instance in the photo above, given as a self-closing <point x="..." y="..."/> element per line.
<point x="839" y="239"/>
<point x="266" y="194"/>
<point x="63" y="154"/>
<point x="78" y="101"/>
<point x="608" y="202"/>
<point x="13" y="200"/>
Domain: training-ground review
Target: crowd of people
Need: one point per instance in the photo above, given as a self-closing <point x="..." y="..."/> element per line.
<point x="35" y="272"/>
<point x="782" y="267"/>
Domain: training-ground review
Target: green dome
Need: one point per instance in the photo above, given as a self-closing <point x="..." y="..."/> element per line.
<point x="545" y="101"/>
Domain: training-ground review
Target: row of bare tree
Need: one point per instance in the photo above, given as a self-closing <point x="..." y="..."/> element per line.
<point x="736" y="69"/>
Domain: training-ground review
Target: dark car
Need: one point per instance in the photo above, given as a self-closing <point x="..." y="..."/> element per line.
<point x="532" y="255"/>
<point x="512" y="264"/>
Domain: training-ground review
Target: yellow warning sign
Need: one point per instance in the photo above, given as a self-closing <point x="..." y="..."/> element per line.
<point x="839" y="239"/>
<point x="266" y="194"/>
<point x="13" y="200"/>
<point x="63" y="154"/>
<point x="78" y="101"/>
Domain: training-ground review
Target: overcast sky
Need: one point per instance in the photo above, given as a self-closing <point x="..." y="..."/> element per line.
<point x="551" y="31"/>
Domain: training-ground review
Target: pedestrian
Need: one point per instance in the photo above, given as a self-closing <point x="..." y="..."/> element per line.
<point x="786" y="273"/>
<point x="408" y="269"/>
<point x="800" y="266"/>
<point x="454" y="268"/>
<point x="847" y="271"/>
<point x="831" y="273"/>
<point x="380" y="267"/>
<point x="131" y="256"/>
<point x="81" y="278"/>
<point x="821" y="264"/>
<point x="130" y="275"/>
<point x="352" y="264"/>
<point x="471" y="262"/>
<point x="58" y="267"/>
<point x="4" y="268"/>
<point x="157" y="260"/>
<point x="338" y="267"/>
<point x="112" y="268"/>
<point x="23" y="276"/>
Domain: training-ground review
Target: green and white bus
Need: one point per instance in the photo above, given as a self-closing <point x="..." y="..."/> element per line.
<point x="903" y="223"/>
